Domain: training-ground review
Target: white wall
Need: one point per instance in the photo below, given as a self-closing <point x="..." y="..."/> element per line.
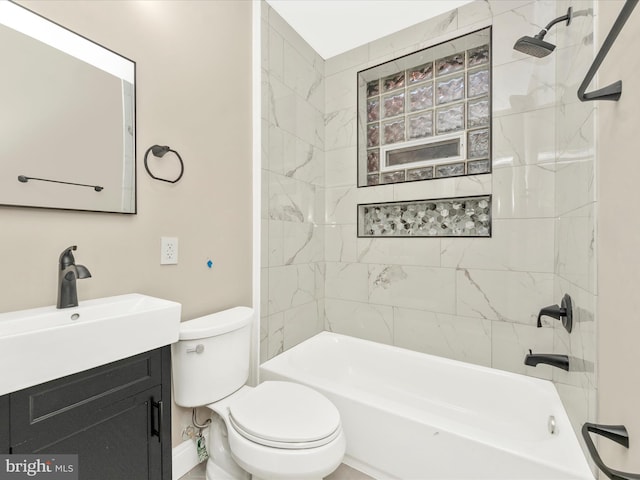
<point x="618" y="240"/>
<point x="293" y="136"/>
<point x="194" y="94"/>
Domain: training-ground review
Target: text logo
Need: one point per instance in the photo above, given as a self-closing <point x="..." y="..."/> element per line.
<point x="38" y="467"/>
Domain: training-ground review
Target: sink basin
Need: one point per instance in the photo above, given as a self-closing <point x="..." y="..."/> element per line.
<point x="43" y="344"/>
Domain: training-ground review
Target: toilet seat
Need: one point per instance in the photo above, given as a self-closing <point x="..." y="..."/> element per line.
<point x="285" y="415"/>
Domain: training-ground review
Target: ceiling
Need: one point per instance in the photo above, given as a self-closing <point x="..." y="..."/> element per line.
<point x="333" y="27"/>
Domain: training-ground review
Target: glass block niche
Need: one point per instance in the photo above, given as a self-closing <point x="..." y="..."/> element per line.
<point x="427" y="115"/>
<point x="446" y="217"/>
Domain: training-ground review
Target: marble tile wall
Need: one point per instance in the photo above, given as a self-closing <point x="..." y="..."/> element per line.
<point x="473" y="299"/>
<point x="575" y="207"/>
<point x="477" y="299"/>
<point x="293" y="134"/>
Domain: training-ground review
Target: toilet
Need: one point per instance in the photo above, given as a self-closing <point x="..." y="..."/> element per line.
<point x="276" y="430"/>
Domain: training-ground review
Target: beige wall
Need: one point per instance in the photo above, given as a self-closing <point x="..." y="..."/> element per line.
<point x="619" y="241"/>
<point x="194" y="94"/>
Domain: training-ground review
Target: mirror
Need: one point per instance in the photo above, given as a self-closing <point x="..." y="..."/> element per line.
<point x="67" y="118"/>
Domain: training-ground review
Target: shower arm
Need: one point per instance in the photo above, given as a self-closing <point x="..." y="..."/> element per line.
<point x="613" y="91"/>
<point x="546" y="29"/>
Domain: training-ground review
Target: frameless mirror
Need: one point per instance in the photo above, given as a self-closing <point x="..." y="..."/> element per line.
<point x="67" y="118"/>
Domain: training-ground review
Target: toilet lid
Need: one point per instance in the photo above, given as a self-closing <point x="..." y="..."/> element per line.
<point x="285" y="415"/>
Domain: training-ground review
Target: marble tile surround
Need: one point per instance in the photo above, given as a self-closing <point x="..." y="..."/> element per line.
<point x="464" y="298"/>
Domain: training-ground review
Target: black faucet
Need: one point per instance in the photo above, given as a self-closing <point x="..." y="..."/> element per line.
<point x="555" y="360"/>
<point x="68" y="272"/>
<point x="562" y="312"/>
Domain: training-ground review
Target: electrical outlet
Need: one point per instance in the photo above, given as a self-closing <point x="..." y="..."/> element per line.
<point x="168" y="250"/>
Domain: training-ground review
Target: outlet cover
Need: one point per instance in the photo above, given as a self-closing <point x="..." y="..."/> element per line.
<point x="168" y="250"/>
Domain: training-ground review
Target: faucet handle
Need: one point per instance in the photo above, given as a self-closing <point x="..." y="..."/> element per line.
<point x="554" y="311"/>
<point x="562" y="312"/>
<point x="66" y="257"/>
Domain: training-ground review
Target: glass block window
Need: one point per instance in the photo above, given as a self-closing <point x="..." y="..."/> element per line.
<point x="427" y="115"/>
<point x="447" y="217"/>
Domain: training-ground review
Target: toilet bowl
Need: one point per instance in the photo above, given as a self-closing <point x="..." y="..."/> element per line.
<point x="276" y="430"/>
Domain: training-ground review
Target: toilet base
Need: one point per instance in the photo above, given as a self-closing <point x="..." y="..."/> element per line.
<point x="221" y="465"/>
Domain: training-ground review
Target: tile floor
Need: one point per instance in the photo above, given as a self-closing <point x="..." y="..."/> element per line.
<point x="344" y="472"/>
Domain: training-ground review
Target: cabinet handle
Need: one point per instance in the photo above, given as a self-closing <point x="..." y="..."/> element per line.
<point x="158" y="407"/>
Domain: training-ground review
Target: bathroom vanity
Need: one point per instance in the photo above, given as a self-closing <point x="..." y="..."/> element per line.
<point x="92" y="380"/>
<point x="116" y="417"/>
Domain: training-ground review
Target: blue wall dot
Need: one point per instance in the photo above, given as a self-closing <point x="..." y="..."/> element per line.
<point x="209" y="263"/>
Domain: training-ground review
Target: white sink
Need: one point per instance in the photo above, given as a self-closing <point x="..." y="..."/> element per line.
<point x="46" y="343"/>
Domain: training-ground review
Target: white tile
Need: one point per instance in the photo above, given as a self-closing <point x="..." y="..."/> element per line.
<point x="346" y="281"/>
<point x="524" y="192"/>
<point x="459" y="338"/>
<point x="290" y="35"/>
<point x="521" y="245"/>
<point x="341" y="167"/>
<point x="303" y="76"/>
<point x="576" y="131"/>
<point x="275" y="251"/>
<point x="340" y="243"/>
<point x="306" y="163"/>
<point x="309" y="123"/>
<point x="282" y="105"/>
<point x="376" y="194"/>
<point x="443" y="188"/>
<point x="290" y="286"/>
<point x="413" y="38"/>
<point x="424" y="288"/>
<point x="575" y="237"/>
<point x="340" y="128"/>
<point x="575" y="185"/>
<point x="275" y="329"/>
<point x="320" y="273"/>
<point x="290" y="200"/>
<point x="275" y="53"/>
<point x="341" y="90"/>
<point x="399" y="251"/>
<point x="300" y="323"/>
<point x="503" y="295"/>
<point x="511" y="342"/>
<point x="522" y="86"/>
<point x="354" y="59"/>
<point x="302" y="243"/>
<point x="340" y="206"/>
<point x="362" y="320"/>
<point x="527" y="138"/>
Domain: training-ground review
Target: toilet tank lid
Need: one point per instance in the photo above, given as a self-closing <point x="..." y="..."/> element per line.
<point x="216" y="323"/>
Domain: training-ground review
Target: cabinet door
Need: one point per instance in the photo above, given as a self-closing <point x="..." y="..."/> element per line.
<point x="4" y="424"/>
<point x="117" y="443"/>
<point x="106" y="415"/>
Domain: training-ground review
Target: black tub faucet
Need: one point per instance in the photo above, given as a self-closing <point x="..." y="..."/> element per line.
<point x="68" y="272"/>
<point x="555" y="360"/>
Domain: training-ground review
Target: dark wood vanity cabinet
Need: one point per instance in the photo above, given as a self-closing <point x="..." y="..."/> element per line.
<point x="4" y="424"/>
<point x="116" y="418"/>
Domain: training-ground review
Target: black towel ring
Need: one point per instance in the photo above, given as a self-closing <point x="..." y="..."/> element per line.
<point x="160" y="151"/>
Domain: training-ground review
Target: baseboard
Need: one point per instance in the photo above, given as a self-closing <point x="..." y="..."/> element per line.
<point x="184" y="458"/>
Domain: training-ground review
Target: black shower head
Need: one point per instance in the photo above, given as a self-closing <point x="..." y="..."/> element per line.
<point x="536" y="46"/>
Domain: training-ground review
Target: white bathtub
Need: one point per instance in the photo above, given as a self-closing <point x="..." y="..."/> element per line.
<point x="409" y="415"/>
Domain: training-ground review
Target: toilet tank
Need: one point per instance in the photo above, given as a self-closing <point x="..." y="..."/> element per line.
<point x="211" y="358"/>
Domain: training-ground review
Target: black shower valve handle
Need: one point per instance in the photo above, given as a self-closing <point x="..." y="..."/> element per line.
<point x="554" y="311"/>
<point x="562" y="312"/>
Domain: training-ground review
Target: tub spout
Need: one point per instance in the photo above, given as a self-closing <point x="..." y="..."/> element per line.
<point x="555" y="360"/>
